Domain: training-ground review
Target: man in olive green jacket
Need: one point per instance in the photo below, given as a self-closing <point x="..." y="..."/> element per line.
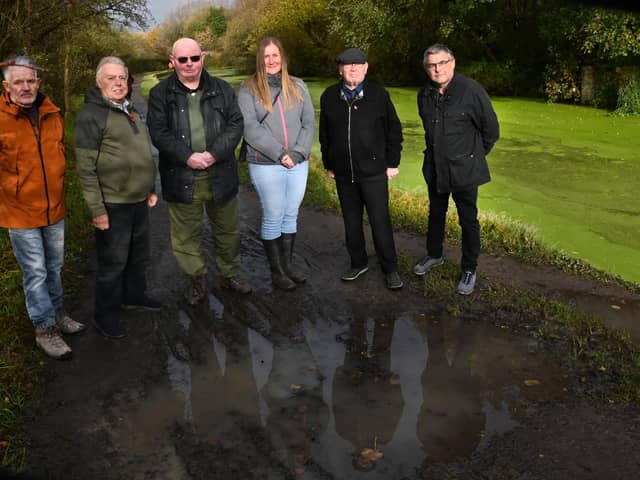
<point x="117" y="175"/>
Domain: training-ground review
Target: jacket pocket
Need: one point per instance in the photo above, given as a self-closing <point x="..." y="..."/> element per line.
<point x="462" y="170"/>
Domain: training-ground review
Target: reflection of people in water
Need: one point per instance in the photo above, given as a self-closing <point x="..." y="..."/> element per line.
<point x="451" y="418"/>
<point x="367" y="400"/>
<point x="297" y="413"/>
<point x="224" y="396"/>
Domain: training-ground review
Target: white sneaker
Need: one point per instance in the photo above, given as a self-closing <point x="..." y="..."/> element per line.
<point x="66" y="324"/>
<point x="426" y="264"/>
<point x="51" y="342"/>
<point x="467" y="283"/>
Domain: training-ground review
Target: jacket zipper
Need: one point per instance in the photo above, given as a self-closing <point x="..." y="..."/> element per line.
<point x="350" y="106"/>
<point x="36" y="132"/>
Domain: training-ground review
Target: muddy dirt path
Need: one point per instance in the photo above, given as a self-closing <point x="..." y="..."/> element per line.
<point x="278" y="385"/>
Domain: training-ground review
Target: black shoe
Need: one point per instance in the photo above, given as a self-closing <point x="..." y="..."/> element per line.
<point x="236" y="284"/>
<point x="110" y="327"/>
<point x="354" y="273"/>
<point x="146" y="304"/>
<point x="393" y="281"/>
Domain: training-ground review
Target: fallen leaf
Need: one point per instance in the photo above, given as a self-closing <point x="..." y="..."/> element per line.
<point x="602" y="368"/>
<point x="531" y="383"/>
<point x="4" y="443"/>
<point x="295" y="387"/>
<point x="616" y="307"/>
<point x="371" y="454"/>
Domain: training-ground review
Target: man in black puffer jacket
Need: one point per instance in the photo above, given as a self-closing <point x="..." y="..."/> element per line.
<point x="361" y="140"/>
<point x="195" y="123"/>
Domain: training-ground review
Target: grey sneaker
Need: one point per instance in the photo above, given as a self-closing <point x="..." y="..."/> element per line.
<point x="354" y="273"/>
<point x="51" y="342"/>
<point x="66" y="324"/>
<point x="426" y="264"/>
<point x="467" y="283"/>
<point x="393" y="281"/>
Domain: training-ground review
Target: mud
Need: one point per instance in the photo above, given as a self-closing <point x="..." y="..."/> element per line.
<point x="277" y="385"/>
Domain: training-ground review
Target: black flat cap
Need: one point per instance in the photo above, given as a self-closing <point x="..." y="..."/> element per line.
<point x="351" y="55"/>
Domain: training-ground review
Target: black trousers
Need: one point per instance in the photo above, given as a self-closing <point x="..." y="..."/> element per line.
<point x="123" y="257"/>
<point x="467" y="205"/>
<point x="374" y="195"/>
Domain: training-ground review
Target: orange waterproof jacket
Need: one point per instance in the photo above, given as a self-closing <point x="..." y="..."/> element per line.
<point x="32" y="165"/>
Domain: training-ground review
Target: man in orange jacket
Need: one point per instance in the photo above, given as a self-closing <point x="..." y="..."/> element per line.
<point x="32" y="206"/>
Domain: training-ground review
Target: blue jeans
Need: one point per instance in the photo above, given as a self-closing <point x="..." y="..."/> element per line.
<point x="281" y="191"/>
<point x="40" y="254"/>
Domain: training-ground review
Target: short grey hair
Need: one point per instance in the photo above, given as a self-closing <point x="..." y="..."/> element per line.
<point x="20" y="61"/>
<point x="436" y="48"/>
<point x="111" y="60"/>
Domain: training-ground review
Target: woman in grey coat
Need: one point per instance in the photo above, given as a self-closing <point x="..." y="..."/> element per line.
<point x="279" y="124"/>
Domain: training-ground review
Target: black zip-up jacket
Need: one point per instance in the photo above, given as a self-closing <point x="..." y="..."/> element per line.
<point x="359" y="139"/>
<point x="461" y="128"/>
<point x="168" y="121"/>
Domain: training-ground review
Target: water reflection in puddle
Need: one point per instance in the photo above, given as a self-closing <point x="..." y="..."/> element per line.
<point x="349" y="396"/>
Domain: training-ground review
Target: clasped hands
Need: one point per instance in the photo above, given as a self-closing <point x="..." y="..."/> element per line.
<point x="200" y="160"/>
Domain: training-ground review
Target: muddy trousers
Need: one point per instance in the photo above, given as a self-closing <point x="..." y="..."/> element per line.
<point x="187" y="231"/>
<point x="467" y="206"/>
<point x="123" y="256"/>
<point x="374" y="195"/>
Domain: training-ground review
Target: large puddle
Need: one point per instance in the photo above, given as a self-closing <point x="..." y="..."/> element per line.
<point x="340" y="398"/>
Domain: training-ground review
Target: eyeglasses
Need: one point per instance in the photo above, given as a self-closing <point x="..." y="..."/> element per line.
<point x="432" y="66"/>
<point x="193" y="58"/>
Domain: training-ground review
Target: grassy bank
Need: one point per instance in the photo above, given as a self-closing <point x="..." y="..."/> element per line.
<point x="22" y="366"/>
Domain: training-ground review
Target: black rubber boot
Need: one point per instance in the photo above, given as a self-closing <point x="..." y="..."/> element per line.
<point x="287" y="242"/>
<point x="278" y="275"/>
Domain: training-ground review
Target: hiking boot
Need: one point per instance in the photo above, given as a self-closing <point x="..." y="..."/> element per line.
<point x="146" y="304"/>
<point x="235" y="284"/>
<point x="426" y="264"/>
<point x="354" y="273"/>
<point x="110" y="327"/>
<point x="51" y="342"/>
<point x="467" y="283"/>
<point x="197" y="290"/>
<point x="393" y="281"/>
<point x="66" y="324"/>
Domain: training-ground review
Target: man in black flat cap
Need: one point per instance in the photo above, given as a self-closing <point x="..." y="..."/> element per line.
<point x="361" y="140"/>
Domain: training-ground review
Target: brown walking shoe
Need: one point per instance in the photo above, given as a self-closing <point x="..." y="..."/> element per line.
<point x="236" y="284"/>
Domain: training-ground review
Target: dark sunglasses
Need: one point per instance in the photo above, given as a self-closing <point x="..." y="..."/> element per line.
<point x="193" y="58"/>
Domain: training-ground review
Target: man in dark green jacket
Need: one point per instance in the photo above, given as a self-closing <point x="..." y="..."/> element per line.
<point x="461" y="128"/>
<point x="117" y="175"/>
<point x="196" y="124"/>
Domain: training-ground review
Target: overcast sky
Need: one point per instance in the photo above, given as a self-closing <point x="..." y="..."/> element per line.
<point x="161" y="8"/>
